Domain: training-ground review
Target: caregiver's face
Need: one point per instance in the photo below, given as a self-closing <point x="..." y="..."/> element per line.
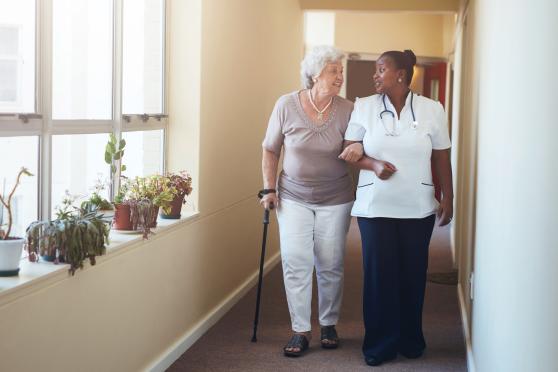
<point x="386" y="75"/>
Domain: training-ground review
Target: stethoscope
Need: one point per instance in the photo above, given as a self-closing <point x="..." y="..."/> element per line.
<point x="393" y="132"/>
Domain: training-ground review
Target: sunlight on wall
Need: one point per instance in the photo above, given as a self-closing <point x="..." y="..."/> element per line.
<point x="319" y="29"/>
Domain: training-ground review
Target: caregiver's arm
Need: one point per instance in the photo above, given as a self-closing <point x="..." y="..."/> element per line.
<point x="383" y="169"/>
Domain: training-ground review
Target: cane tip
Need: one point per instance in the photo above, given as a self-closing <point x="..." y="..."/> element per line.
<point x="254" y="339"/>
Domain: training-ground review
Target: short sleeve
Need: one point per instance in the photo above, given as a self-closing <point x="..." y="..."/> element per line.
<point x="355" y="129"/>
<point x="440" y="135"/>
<point x="274" y="136"/>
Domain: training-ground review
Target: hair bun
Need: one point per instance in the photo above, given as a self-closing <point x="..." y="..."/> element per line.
<point x="411" y="56"/>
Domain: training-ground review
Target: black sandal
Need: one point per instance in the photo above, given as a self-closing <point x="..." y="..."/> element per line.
<point x="329" y="333"/>
<point x="298" y="341"/>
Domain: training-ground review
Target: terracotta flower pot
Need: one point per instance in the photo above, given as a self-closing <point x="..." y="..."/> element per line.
<point x="176" y="208"/>
<point x="122" y="217"/>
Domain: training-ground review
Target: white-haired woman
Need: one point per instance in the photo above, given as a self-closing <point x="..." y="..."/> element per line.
<point x="313" y="194"/>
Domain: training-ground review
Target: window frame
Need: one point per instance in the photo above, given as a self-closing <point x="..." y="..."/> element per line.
<point x="40" y="122"/>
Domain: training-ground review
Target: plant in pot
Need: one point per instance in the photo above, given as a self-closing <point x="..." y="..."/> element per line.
<point x="10" y="247"/>
<point x="145" y="195"/>
<point x="51" y="235"/>
<point x="181" y="184"/>
<point x="114" y="151"/>
<point x="73" y="237"/>
<point x="97" y="202"/>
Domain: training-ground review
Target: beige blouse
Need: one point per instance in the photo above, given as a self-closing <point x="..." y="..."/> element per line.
<point x="312" y="172"/>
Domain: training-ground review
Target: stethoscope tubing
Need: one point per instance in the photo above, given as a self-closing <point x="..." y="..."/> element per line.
<point x="386" y="111"/>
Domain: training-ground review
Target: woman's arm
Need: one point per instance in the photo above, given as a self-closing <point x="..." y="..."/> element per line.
<point x="383" y="169"/>
<point x="442" y="167"/>
<point x="270" y="161"/>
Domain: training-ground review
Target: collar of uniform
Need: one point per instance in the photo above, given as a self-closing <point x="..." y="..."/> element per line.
<point x="390" y="105"/>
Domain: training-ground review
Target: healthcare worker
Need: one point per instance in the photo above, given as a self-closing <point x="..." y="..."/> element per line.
<point x="401" y="133"/>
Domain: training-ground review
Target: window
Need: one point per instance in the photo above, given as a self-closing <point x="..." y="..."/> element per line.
<point x="82" y="59"/>
<point x="63" y="92"/>
<point x="17" y="56"/>
<point x="78" y="163"/>
<point x="142" y="90"/>
<point x="143" y="154"/>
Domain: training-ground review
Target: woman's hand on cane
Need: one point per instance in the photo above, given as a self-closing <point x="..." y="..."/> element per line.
<point x="269" y="201"/>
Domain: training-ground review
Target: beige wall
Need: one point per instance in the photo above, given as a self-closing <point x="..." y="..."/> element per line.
<point x="504" y="220"/>
<point x="374" y="33"/>
<point x="516" y="244"/>
<point x="448" y="36"/>
<point x="251" y="54"/>
<point x="464" y="153"/>
<point x="122" y="314"/>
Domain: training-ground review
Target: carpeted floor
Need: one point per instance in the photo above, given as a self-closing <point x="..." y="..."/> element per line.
<point x="227" y="346"/>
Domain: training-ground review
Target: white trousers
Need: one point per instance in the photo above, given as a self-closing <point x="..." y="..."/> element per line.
<point x="313" y="235"/>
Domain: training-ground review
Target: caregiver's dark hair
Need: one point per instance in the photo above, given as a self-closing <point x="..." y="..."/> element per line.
<point x="405" y="60"/>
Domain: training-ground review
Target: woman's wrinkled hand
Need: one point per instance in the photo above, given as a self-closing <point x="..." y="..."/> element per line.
<point x="352" y="153"/>
<point x="269" y="201"/>
<point x="383" y="169"/>
<point x="445" y="212"/>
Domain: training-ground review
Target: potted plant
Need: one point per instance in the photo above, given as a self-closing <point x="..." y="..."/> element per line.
<point x="181" y="184"/>
<point x="53" y="232"/>
<point x="144" y="196"/>
<point x="114" y="151"/>
<point x="98" y="203"/>
<point x="72" y="238"/>
<point x="10" y="247"/>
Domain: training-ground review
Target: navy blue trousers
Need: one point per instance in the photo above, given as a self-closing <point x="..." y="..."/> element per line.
<point x="395" y="259"/>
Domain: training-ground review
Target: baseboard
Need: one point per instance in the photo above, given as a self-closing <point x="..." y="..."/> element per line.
<point x="178" y="348"/>
<point x="466" y="333"/>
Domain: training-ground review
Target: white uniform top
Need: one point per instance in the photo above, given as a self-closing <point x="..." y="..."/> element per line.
<point x="409" y="192"/>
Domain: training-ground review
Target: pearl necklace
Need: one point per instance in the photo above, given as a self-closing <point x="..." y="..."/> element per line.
<point x="320" y="112"/>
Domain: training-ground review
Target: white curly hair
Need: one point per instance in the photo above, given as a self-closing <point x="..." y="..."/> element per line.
<point x="315" y="61"/>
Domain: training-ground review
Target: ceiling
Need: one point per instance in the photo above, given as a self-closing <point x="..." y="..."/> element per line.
<point x="435" y="6"/>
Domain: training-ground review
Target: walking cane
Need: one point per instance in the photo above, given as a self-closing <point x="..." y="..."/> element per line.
<point x="260" y="276"/>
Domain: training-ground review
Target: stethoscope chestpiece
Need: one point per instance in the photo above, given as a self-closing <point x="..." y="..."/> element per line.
<point x="393" y="132"/>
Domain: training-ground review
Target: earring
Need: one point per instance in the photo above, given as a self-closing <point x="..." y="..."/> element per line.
<point x="399" y="80"/>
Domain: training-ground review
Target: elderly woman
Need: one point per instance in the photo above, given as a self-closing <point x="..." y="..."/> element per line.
<point x="402" y="133"/>
<point x="313" y="195"/>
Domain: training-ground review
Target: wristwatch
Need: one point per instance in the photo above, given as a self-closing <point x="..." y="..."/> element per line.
<point x="263" y="192"/>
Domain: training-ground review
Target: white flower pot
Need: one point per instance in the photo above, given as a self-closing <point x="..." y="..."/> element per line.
<point x="107" y="213"/>
<point x="10" y="256"/>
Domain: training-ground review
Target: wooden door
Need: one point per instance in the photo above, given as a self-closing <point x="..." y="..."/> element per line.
<point x="360" y="81"/>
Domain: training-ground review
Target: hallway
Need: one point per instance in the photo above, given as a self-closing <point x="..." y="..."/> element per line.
<point x="227" y="347"/>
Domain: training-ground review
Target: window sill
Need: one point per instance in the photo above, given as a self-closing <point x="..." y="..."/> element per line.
<point x="36" y="275"/>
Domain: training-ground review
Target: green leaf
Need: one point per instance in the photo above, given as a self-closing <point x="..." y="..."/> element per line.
<point x="108" y="157"/>
<point x="113" y="168"/>
<point x="118" y="155"/>
<point x="122" y="144"/>
<point x="122" y="168"/>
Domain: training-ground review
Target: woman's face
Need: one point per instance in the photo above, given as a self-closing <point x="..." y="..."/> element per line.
<point x="330" y="79"/>
<point x="385" y="78"/>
